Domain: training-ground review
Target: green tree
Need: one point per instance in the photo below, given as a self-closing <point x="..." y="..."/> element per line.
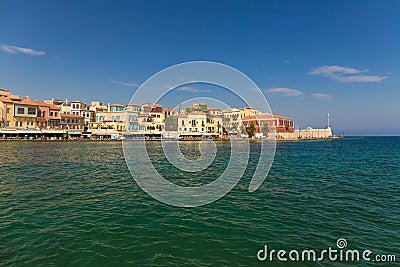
<point x="242" y="129"/>
<point x="251" y="130"/>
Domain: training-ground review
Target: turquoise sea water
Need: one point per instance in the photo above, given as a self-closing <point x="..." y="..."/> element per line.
<point x="75" y="204"/>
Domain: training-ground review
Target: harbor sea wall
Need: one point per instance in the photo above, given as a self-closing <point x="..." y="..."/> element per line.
<point x="308" y="133"/>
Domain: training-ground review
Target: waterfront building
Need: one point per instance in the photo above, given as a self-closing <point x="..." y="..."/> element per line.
<point x="248" y="111"/>
<point x="266" y="123"/>
<point x="49" y="116"/>
<point x="214" y="112"/>
<point x="132" y="112"/>
<point x="154" y="118"/>
<point x="4" y="92"/>
<point x="82" y="109"/>
<point x="18" y="113"/>
<point x="112" y="121"/>
<point x="169" y="112"/>
<point x="6" y="104"/>
<point x="73" y="124"/>
<point x="97" y="106"/>
<point x="192" y="124"/>
<point x="231" y="120"/>
<point x="108" y="123"/>
<point x="310" y="133"/>
<point x="214" y="125"/>
<point x="65" y="108"/>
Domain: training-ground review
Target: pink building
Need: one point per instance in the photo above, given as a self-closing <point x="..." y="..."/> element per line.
<point x="49" y="115"/>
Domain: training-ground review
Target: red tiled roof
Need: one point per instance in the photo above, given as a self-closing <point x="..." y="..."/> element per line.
<point x="266" y="116"/>
<point x="153" y="105"/>
<point x="72" y="116"/>
<point x="28" y="102"/>
<point x="54" y="107"/>
<point x="6" y="99"/>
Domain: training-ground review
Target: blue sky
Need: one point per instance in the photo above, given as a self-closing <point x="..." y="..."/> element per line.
<point x="308" y="57"/>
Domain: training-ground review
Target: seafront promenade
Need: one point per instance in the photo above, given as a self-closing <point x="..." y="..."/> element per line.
<point x="28" y="119"/>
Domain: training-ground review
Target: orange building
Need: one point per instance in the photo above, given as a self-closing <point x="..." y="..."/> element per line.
<point x="270" y="122"/>
<point x="19" y="113"/>
<point x="48" y="116"/>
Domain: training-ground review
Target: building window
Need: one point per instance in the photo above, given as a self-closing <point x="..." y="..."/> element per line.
<point x="16" y="123"/>
<point x="55" y="114"/>
<point x="7" y="123"/>
<point x="20" y="124"/>
<point x="32" y="111"/>
<point x="8" y="110"/>
<point x="51" y="113"/>
<point x="20" y="111"/>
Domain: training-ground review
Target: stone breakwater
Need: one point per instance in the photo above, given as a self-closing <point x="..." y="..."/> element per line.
<point x="307" y="134"/>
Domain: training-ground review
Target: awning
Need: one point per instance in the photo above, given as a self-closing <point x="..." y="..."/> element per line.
<point x="20" y="132"/>
<point x="53" y="131"/>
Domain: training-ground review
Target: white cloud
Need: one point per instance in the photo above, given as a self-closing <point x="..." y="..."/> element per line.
<point x="320" y="96"/>
<point x="361" y="79"/>
<point x="191" y="89"/>
<point x="131" y="84"/>
<point x="346" y="74"/>
<point x="20" y="50"/>
<point x="285" y="91"/>
<point x="326" y="70"/>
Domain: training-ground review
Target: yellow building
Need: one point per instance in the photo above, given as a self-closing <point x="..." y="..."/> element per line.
<point x="154" y="117"/>
<point x="214" y="125"/>
<point x="248" y="111"/>
<point x="18" y="113"/>
<point x="109" y="122"/>
<point x="194" y="123"/>
<point x="231" y="120"/>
